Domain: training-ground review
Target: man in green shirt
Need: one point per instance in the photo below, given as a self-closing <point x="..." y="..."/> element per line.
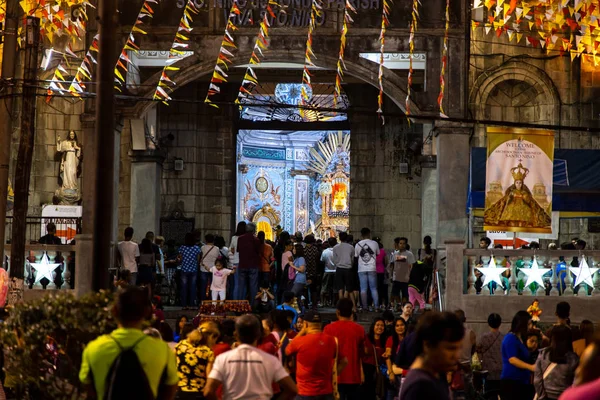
<point x="131" y="309"/>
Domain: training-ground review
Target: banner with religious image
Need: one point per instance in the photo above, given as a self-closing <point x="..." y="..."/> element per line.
<point x="518" y="185"/>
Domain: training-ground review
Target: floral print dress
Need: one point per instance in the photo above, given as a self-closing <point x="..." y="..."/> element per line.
<point x="191" y="366"/>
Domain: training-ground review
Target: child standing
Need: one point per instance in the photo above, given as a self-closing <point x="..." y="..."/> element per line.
<point x="219" y="278"/>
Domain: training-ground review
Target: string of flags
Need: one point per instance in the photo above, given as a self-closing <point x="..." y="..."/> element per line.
<point x="315" y="12"/>
<point x="385" y="22"/>
<point x="444" y="63"/>
<point x="225" y="57"/>
<point x="565" y="26"/>
<point x="337" y="92"/>
<point x="85" y="69"/>
<point x="166" y="84"/>
<point x="411" y="45"/>
<point x="146" y="12"/>
<point x="261" y="45"/>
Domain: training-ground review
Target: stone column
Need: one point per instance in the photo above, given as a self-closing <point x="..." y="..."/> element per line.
<point x="453" y="160"/>
<point x="146" y="175"/>
<point x="454" y="274"/>
<point x="429" y="185"/>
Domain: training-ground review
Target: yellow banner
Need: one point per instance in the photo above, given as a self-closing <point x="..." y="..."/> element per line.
<point x="518" y="193"/>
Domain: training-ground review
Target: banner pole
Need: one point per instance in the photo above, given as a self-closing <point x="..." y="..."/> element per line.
<point x="514" y="240"/>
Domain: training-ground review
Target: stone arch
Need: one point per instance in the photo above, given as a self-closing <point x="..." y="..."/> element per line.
<point x="191" y="68"/>
<point x="533" y="86"/>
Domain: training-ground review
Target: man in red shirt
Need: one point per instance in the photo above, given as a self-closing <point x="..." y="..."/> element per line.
<point x="249" y="249"/>
<point x="351" y="339"/>
<point x="315" y="354"/>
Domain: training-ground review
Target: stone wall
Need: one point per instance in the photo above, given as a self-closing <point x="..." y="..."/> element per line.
<point x="124" y="207"/>
<point x="380" y="197"/>
<point x="205" y="141"/>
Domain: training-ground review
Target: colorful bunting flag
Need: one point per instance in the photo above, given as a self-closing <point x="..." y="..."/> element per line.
<point x="77" y="87"/>
<point x="385" y="22"/>
<point x="165" y="84"/>
<point x="315" y="12"/>
<point x="411" y="45"/>
<point x="444" y="62"/>
<point x="348" y="9"/>
<point x="223" y="62"/>
<point x="121" y="67"/>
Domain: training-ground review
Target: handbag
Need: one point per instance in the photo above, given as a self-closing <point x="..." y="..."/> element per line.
<point x="544" y="395"/>
<point x="379" y="378"/>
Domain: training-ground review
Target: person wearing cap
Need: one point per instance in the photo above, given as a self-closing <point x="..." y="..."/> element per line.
<point x="316" y="355"/>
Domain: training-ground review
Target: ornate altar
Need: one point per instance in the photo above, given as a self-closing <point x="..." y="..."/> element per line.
<point x="333" y="191"/>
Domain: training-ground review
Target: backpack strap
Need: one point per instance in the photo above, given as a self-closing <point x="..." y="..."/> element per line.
<point x="144" y="336"/>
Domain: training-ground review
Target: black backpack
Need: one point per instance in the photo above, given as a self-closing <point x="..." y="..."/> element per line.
<point x="126" y="379"/>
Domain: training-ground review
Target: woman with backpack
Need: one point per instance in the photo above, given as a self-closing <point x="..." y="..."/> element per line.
<point x="299" y="266"/>
<point x="555" y="365"/>
<point x="195" y="359"/>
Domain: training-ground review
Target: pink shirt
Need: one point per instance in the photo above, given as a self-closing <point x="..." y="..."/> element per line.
<point x="589" y="391"/>
<point x="380" y="261"/>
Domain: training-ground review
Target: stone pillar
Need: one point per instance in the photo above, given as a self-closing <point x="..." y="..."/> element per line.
<point x="453" y="160"/>
<point x="84" y="275"/>
<point x="146" y="176"/>
<point x="454" y="274"/>
<point x="429" y="185"/>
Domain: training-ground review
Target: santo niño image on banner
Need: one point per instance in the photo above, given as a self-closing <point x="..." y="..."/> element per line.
<point x="518" y="185"/>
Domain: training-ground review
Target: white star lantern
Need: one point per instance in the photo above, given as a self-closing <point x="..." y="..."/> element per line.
<point x="44" y="269"/>
<point x="584" y="273"/>
<point x="535" y="273"/>
<point x="492" y="273"/>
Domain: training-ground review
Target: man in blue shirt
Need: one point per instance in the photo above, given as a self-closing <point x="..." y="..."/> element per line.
<point x="288" y="302"/>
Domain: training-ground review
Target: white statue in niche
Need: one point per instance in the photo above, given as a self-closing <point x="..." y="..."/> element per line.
<point x="70" y="148"/>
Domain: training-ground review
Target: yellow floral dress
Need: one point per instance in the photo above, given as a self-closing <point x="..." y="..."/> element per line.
<point x="191" y="366"/>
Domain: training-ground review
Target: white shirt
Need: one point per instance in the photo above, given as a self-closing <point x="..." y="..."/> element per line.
<point x="209" y="256"/>
<point x="219" y="278"/>
<point x="366" y="262"/>
<point x="327" y="259"/>
<point x="234" y="258"/>
<point x="247" y="373"/>
<point x="129" y="250"/>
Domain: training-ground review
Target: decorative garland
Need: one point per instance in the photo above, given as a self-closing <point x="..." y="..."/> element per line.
<point x="315" y="12"/>
<point x="385" y="22"/>
<point x="444" y="63"/>
<point x="58" y="80"/>
<point x="225" y="57"/>
<point x="166" y="84"/>
<point x="145" y="11"/>
<point x="261" y="44"/>
<point x="560" y="26"/>
<point x="411" y="43"/>
<point x="77" y="86"/>
<point x="340" y="63"/>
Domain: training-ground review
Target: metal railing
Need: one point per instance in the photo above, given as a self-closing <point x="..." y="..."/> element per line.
<point x="66" y="228"/>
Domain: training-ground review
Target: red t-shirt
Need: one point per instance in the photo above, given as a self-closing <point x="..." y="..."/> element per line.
<point x="315" y="354"/>
<point x="351" y="338"/>
<point x="369" y="358"/>
<point x="220" y="348"/>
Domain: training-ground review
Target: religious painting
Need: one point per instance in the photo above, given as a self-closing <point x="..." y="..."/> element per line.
<point x="519" y="180"/>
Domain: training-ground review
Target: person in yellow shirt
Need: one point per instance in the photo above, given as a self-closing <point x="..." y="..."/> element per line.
<point x="158" y="362"/>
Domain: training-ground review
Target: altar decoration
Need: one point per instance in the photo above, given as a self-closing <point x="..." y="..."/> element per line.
<point x="340" y="63"/>
<point x="411" y="46"/>
<point x="225" y="57"/>
<point x="385" y="22"/>
<point x="330" y="160"/>
<point x="180" y="43"/>
<point x="518" y="159"/>
<point x="315" y="12"/>
<point x="238" y="307"/>
<point x="562" y="26"/>
<point x="146" y="12"/>
<point x="444" y="62"/>
<point x="260" y="44"/>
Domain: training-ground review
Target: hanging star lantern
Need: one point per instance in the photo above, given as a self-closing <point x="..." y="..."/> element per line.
<point x="535" y="273"/>
<point x="492" y="273"/>
<point x="44" y="269"/>
<point x="584" y="273"/>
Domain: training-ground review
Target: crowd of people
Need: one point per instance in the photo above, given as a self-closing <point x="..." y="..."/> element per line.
<point x="252" y="268"/>
<point x="281" y="354"/>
